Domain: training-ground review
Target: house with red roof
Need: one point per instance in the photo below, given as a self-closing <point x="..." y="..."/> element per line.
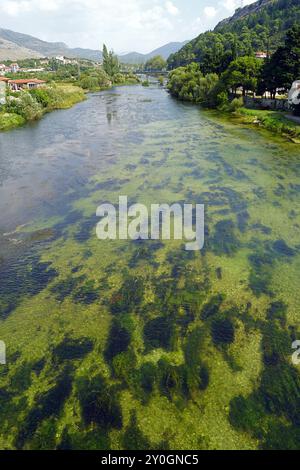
<point x="25" y="83"/>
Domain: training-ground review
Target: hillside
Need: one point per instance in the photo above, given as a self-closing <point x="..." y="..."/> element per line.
<point x="14" y="46"/>
<point x="11" y="51"/>
<point x="20" y="46"/>
<point x="259" y="26"/>
<point x="165" y="51"/>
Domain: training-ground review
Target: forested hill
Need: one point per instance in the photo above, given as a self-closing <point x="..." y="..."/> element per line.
<point x="258" y="27"/>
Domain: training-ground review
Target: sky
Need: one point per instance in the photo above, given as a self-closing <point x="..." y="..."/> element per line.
<point x="124" y="25"/>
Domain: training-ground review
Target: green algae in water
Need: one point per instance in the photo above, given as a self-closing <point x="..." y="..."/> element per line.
<point x="129" y="345"/>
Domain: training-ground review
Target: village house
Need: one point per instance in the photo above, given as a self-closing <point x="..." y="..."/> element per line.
<point x="60" y="58"/>
<point x="14" y="68"/>
<point x="4" y="69"/>
<point x="23" y="84"/>
<point x="63" y="60"/>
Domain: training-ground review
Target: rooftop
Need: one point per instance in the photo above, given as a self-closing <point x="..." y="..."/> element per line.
<point x="23" y="81"/>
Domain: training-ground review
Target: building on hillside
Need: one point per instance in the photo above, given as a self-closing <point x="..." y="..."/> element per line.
<point x="63" y="60"/>
<point x="14" y="68"/>
<point x="60" y="58"/>
<point x="4" y="69"/>
<point x="261" y="55"/>
<point x="25" y="84"/>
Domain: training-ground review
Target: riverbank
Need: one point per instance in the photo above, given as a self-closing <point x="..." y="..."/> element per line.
<point x="59" y="96"/>
<point x="10" y="121"/>
<point x="273" y="121"/>
<point x="212" y="91"/>
<point x="31" y="106"/>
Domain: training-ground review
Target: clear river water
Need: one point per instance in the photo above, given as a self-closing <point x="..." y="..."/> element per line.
<point x="141" y="344"/>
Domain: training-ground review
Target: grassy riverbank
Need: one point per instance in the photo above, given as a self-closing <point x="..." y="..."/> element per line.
<point x="23" y="107"/>
<point x="273" y="121"/>
<point x="10" y="120"/>
<point x="66" y="97"/>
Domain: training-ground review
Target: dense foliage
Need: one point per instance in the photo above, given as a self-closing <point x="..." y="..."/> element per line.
<point x="33" y="104"/>
<point x="111" y="64"/>
<point x="248" y="74"/>
<point x="94" y="80"/>
<point x="263" y="30"/>
<point x="244" y="73"/>
<point x="189" y="84"/>
<point x="156" y="63"/>
<point x="283" y="67"/>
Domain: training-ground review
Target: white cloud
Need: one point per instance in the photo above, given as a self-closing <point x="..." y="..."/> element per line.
<point x="172" y="9"/>
<point x="139" y="24"/>
<point x="210" y="12"/>
<point x="13" y="8"/>
<point x="124" y="25"/>
<point x="19" y="7"/>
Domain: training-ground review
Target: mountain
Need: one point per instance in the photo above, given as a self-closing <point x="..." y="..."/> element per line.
<point x="10" y="51"/>
<point x="260" y="26"/>
<point x="22" y="46"/>
<point x="14" y="46"/>
<point x="242" y="13"/>
<point x="165" y="51"/>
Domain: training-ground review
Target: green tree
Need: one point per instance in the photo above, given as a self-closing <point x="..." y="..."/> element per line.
<point x="244" y="73"/>
<point x="189" y="84"/>
<point x="156" y="63"/>
<point x="110" y="62"/>
<point x="284" y="66"/>
<point x="262" y="29"/>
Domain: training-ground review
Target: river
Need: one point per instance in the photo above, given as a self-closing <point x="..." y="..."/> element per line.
<point x="186" y="350"/>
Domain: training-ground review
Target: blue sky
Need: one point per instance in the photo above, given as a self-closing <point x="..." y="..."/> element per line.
<point x="125" y="25"/>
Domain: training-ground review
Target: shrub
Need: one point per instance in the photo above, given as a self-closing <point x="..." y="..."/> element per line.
<point x="8" y="121"/>
<point x="119" y="79"/>
<point x="26" y="106"/>
<point x="189" y="84"/>
<point x="236" y="104"/>
<point x="41" y="95"/>
<point x="89" y="83"/>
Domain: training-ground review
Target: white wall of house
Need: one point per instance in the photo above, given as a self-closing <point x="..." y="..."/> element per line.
<point x="2" y="93"/>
